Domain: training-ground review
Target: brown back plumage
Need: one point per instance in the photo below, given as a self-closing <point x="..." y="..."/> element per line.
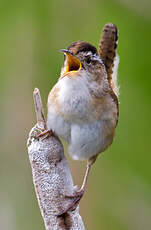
<point x="107" y="47"/>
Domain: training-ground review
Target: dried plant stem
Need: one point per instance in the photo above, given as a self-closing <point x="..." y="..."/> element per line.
<point x="51" y="176"/>
<point x="39" y="109"/>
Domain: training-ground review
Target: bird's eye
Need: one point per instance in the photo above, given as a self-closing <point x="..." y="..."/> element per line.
<point x="88" y="60"/>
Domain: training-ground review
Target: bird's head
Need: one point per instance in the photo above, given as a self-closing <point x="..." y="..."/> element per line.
<point x="81" y="56"/>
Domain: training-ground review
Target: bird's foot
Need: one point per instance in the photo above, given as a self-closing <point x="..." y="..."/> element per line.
<point x="78" y="194"/>
<point x="45" y="134"/>
<point x="75" y="199"/>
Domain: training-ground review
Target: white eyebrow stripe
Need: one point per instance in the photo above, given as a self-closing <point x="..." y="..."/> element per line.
<point x="94" y="57"/>
<point x="97" y="58"/>
<point x="88" y="53"/>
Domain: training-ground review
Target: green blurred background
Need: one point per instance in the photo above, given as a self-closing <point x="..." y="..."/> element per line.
<point x="118" y="195"/>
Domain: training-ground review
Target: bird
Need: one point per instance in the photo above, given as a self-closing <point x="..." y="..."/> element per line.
<point x="83" y="104"/>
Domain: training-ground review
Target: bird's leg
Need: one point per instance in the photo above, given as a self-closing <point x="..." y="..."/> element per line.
<point x="82" y="189"/>
<point x="76" y="197"/>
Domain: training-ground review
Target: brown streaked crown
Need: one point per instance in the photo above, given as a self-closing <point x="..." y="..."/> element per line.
<point x="80" y="46"/>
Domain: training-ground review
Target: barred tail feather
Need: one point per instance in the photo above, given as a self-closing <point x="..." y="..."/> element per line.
<point x="114" y="82"/>
<point x="107" y="52"/>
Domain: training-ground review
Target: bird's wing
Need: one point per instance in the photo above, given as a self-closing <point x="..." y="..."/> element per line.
<point x="107" y="52"/>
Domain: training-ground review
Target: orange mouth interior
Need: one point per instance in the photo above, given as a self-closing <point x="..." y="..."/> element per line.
<point x="73" y="64"/>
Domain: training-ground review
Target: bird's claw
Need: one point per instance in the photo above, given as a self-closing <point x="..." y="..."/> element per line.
<point x="45" y="134"/>
<point x="76" y="194"/>
<point x="75" y="199"/>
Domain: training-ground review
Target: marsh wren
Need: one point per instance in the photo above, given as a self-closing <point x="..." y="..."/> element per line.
<point x="83" y="105"/>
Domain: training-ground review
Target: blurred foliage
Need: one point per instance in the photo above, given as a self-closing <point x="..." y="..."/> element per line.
<point x="32" y="32"/>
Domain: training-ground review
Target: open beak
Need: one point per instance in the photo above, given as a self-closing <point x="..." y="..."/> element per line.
<point x="73" y="64"/>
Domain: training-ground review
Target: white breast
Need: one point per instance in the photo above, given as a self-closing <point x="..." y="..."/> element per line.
<point x="70" y="119"/>
<point x="87" y="140"/>
<point x="73" y="98"/>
